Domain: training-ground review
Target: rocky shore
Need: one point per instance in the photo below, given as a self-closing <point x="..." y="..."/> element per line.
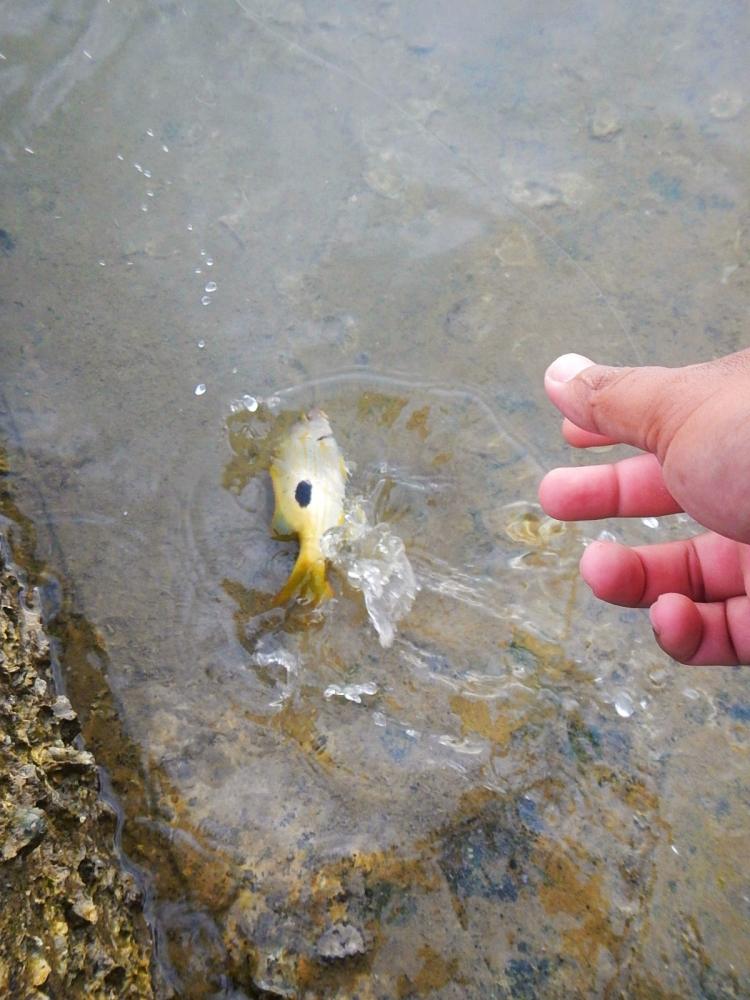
<point x="71" y="919"/>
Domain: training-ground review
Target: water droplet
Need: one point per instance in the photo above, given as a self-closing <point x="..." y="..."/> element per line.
<point x="102" y="263"/>
<point x="211" y="286"/>
<point x="247" y="403"/>
<point x="650" y="522"/>
<point x="201" y="344"/>
<point x="29" y="150"/>
<point x="138" y="167"/>
<point x="150" y="194"/>
<point x="198" y="270"/>
<point x="120" y="156"/>
<point x="234" y="371"/>
<point x="144" y="207"/>
<point x="146" y="173"/>
<point x="165" y="148"/>
<point x="124" y="513"/>
<point x="624" y="704"/>
<point x="674" y="849"/>
<point x="209" y="262"/>
<point x="150" y="132"/>
<point x="87" y="54"/>
<point x="606" y="536"/>
<point x="379" y="719"/>
<point x="200" y="389"/>
<point x="206" y="300"/>
<point x="203" y="253"/>
<point x="190" y="227"/>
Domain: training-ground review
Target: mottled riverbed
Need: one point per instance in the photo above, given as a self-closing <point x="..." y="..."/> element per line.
<point x="400" y="212"/>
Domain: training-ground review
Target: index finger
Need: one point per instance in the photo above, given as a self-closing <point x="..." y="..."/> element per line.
<point x="632" y="487"/>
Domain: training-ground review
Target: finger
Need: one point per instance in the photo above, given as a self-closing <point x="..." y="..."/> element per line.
<point x="633" y="487"/>
<point x="703" y="634"/>
<point x="638" y="406"/>
<point x="706" y="568"/>
<point x="583" y="439"/>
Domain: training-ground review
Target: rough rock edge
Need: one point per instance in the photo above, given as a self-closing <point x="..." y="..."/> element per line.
<point x="71" y="921"/>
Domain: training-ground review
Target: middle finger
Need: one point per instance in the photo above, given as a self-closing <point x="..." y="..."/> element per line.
<point x="708" y="567"/>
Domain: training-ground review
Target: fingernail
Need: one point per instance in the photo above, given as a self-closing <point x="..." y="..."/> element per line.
<point x="566" y="367"/>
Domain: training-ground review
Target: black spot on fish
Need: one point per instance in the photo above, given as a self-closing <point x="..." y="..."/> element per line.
<point x="303" y="493"/>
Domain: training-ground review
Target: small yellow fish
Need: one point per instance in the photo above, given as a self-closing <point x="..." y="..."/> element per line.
<point x="309" y="475"/>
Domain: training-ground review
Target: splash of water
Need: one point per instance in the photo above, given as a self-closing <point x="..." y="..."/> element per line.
<point x="280" y="662"/>
<point x="352" y="692"/>
<point x="375" y="562"/>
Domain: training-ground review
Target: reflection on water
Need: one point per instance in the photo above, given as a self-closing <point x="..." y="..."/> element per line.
<point x="402" y="213"/>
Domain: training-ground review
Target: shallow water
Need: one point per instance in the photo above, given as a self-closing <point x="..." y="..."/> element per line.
<point x="401" y="213"/>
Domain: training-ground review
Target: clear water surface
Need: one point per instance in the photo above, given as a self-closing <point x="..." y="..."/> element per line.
<point x="401" y="212"/>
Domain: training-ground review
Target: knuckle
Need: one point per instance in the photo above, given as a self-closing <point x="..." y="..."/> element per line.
<point x="603" y="389"/>
<point x="655" y="410"/>
<point x="733" y="364"/>
<point x="599" y="377"/>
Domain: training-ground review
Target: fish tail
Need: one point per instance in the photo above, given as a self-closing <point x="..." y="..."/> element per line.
<point x="307" y="580"/>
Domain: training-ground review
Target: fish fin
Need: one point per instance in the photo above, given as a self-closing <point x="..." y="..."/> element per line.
<point x="307" y="580"/>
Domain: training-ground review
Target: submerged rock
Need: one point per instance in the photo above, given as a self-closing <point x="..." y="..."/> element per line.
<point x="71" y="921"/>
<point x="340" y="941"/>
<point x="605" y="122"/>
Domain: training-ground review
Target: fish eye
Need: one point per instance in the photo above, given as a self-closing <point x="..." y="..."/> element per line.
<point x="303" y="493"/>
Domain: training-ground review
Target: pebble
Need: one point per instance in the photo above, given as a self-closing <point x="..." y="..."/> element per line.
<point x="62" y="709"/>
<point x="38" y="969"/>
<point x="27" y="827"/>
<point x="726" y="104"/>
<point x="84" y="907"/>
<point x="605" y="122"/>
<point x="340" y="941"/>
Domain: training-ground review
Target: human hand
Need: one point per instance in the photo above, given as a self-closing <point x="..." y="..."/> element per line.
<point x="693" y="426"/>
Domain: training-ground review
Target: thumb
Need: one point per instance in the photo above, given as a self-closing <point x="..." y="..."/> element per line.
<point x="638" y="406"/>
